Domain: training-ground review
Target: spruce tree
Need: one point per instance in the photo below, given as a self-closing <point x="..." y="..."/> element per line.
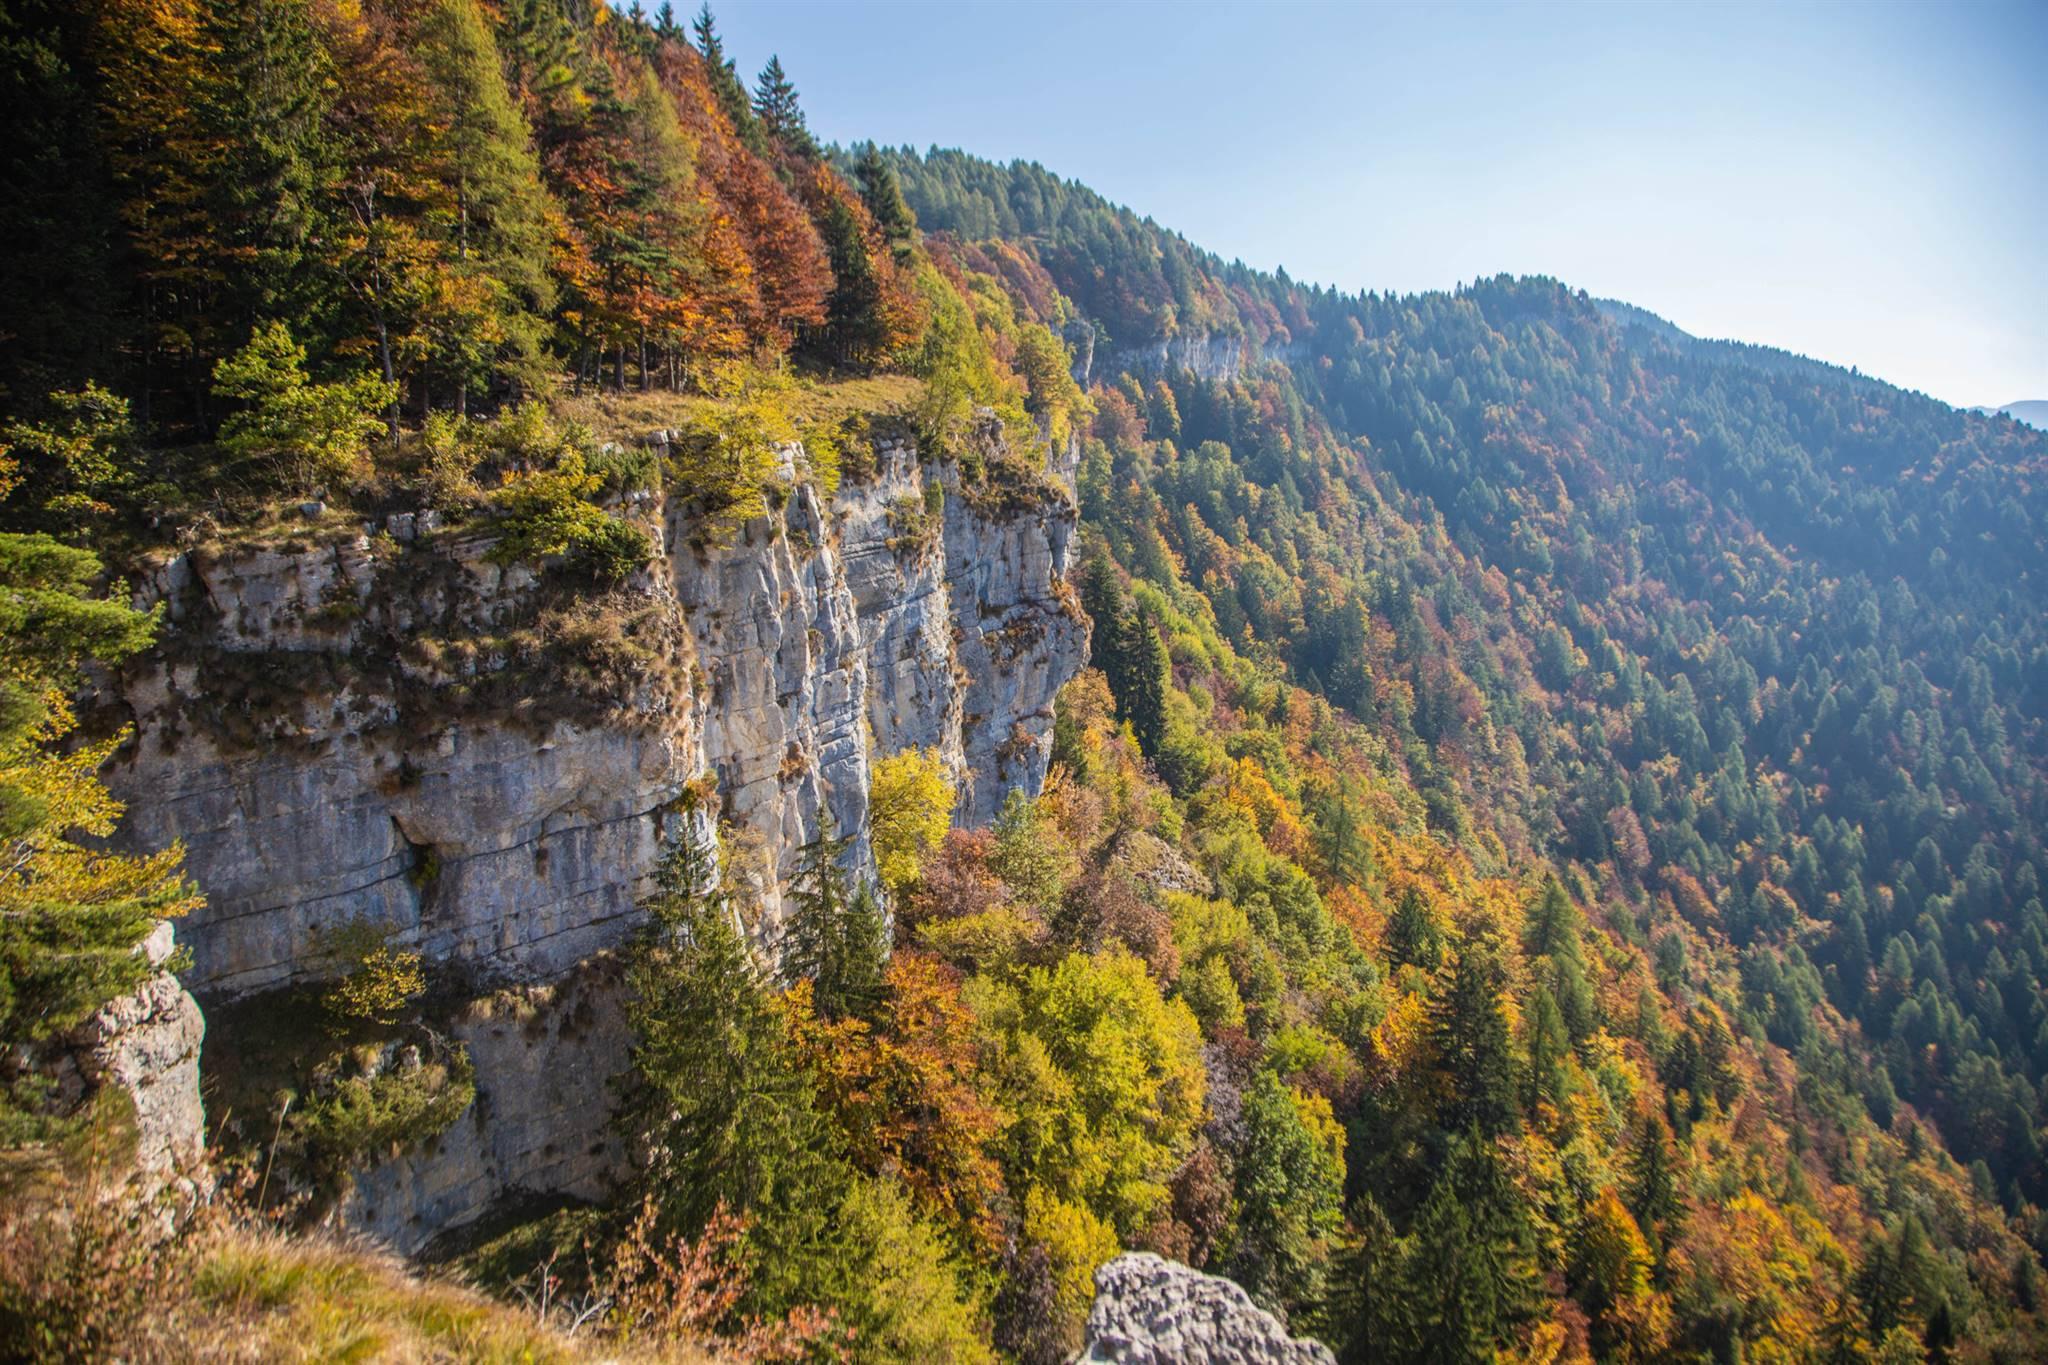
<point x="856" y="332"/>
<point x="775" y="105"/>
<point x="835" y="940"/>
<point x="882" y="194"/>
<point x="1148" y="676"/>
<point x="1470" y="1029"/>
<point x="1552" y="935"/>
<point x="725" y="1109"/>
<point x="726" y="85"/>
<point x="1652" y="1185"/>
<point x="1412" y="936"/>
<point x="1549" y="1045"/>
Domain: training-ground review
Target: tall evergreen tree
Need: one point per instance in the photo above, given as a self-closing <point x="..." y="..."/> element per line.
<point x="1469" y="1272"/>
<point x="1412" y="935"/>
<point x="775" y="104"/>
<point x="1470" y="1029"/>
<point x="726" y="85"/>
<point x="500" y="235"/>
<point x="884" y="198"/>
<point x="1148" y="677"/>
<point x="1652" y="1184"/>
<point x="1552" y="939"/>
<point x="835" y="940"/>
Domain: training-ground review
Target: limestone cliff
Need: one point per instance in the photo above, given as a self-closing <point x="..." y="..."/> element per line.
<point x="381" y="723"/>
<point x="1214" y="356"/>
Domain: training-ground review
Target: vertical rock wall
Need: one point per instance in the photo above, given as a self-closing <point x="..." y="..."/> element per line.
<point x="389" y="727"/>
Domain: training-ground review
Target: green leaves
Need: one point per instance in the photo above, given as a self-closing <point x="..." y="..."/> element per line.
<point x="308" y="435"/>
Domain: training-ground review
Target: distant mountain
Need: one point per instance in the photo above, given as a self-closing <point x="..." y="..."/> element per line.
<point x="2032" y="411"/>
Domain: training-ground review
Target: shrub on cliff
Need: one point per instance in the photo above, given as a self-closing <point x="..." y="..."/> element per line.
<point x="307" y="434"/>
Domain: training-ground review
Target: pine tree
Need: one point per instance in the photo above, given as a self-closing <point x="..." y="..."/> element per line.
<point x="1552" y="935"/>
<point x="726" y="85"/>
<point x="728" y="1113"/>
<point x="1652" y="1185"/>
<point x="1412" y="935"/>
<point x="500" y="234"/>
<point x="1549" y="1045"/>
<point x="872" y="312"/>
<point x="1148" y="678"/>
<point x="71" y="915"/>
<point x="1290" y="1187"/>
<point x="1370" y="1306"/>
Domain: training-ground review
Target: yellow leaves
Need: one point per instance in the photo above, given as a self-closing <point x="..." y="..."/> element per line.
<point x="62" y="797"/>
<point x="1400" y="1041"/>
<point x="1077" y="1242"/>
<point x="1279" y="823"/>
<point x="1321" y="1121"/>
<point x="910" y="807"/>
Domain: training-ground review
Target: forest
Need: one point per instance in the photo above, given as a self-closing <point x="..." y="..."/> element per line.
<point x="1542" y="865"/>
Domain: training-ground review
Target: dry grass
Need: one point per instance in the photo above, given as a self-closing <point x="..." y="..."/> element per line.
<point x="258" y="1295"/>
<point x="90" y="1272"/>
<point x="631" y="415"/>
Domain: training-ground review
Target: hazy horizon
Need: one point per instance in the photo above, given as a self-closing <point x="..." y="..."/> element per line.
<point x="1860" y="185"/>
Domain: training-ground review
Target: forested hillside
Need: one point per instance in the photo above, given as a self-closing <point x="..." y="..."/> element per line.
<point x="1543" y="863"/>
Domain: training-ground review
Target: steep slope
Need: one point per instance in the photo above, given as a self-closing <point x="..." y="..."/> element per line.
<point x="1755" y="642"/>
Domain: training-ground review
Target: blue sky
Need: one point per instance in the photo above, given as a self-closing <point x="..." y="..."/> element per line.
<point x="1863" y="183"/>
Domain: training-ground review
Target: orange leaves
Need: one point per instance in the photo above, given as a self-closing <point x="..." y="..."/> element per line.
<point x="907" y="1093"/>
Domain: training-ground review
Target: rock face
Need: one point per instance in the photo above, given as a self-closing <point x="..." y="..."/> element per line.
<point x="382" y="724"/>
<point x="1150" y="1311"/>
<point x="547" y="1059"/>
<point x="1211" y="356"/>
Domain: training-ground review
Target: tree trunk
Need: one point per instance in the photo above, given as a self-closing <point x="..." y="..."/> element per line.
<point x="390" y="376"/>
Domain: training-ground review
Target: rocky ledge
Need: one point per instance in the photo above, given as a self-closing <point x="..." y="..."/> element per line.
<point x="1150" y="1311"/>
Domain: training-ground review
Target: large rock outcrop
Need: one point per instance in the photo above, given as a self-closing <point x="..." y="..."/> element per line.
<point x="146" y="1043"/>
<point x="383" y="724"/>
<point x="1150" y="1311"/>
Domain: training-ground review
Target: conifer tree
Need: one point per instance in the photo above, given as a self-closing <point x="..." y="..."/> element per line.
<point x="726" y="86"/>
<point x="835" y="940"/>
<point x="1412" y="935"/>
<point x="775" y="105"/>
<point x="1549" y="1044"/>
<point x="71" y="913"/>
<point x="1148" y="678"/>
<point x="500" y="235"/>
<point x="1652" y="1185"/>
<point x="1290" y="1185"/>
<point x="882" y="194"/>
<point x="1552" y="936"/>
<point x="1470" y="1030"/>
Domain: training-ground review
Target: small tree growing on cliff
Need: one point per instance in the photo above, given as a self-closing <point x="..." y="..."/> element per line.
<point x="310" y="433"/>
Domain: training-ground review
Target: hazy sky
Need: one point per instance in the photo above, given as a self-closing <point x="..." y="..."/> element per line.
<point x="1867" y="184"/>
